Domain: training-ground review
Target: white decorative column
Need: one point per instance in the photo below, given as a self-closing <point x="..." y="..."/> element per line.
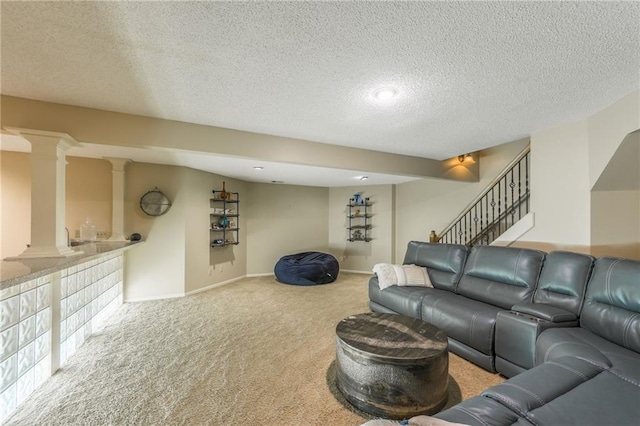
<point x="48" y="163"/>
<point x="117" y="218"/>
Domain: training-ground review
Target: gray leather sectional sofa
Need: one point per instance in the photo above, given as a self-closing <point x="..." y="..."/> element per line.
<point x="564" y="327"/>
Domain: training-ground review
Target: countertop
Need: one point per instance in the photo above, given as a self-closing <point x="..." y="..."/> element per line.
<point x="14" y="272"/>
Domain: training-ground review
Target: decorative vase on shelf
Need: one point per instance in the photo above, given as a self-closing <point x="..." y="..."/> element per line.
<point x="223" y="193"/>
<point x="356" y="198"/>
<point x="224" y="222"/>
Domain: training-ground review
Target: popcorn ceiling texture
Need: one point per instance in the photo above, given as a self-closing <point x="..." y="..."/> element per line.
<point x="471" y="75"/>
<point x="254" y="352"/>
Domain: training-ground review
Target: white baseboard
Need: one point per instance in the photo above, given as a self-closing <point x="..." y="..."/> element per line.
<point x="148" y="299"/>
<point x="189" y="293"/>
<point x="220" y="284"/>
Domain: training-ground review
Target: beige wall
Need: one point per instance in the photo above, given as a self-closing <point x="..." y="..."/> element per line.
<point x="176" y="257"/>
<point x="560" y="196"/>
<point x="567" y="161"/>
<point x="622" y="173"/>
<point x="1" y="215"/>
<point x="15" y="179"/>
<point x="88" y="194"/>
<point x="206" y="265"/>
<point x="431" y="204"/>
<point x="1" y="210"/>
<point x="359" y="255"/>
<point x="281" y="220"/>
<point x="608" y="128"/>
<point x="615" y="223"/>
<point x="156" y="268"/>
<point x="615" y="203"/>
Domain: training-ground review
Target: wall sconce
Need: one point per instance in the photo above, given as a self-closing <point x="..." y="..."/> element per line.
<point x="466" y="159"/>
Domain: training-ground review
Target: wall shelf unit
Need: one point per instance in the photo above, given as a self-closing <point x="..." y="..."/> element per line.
<point x="359" y="216"/>
<point x="225" y="220"/>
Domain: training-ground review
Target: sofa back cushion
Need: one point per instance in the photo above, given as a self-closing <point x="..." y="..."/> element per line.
<point x="444" y="262"/>
<point x="612" y="302"/>
<point x="501" y="276"/>
<point x="563" y="280"/>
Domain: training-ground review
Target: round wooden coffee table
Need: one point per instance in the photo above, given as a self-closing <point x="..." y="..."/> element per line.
<point x="392" y="366"/>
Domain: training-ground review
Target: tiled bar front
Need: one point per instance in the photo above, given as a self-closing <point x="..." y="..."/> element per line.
<point x="25" y="341"/>
<point x="43" y="322"/>
<point x="90" y="292"/>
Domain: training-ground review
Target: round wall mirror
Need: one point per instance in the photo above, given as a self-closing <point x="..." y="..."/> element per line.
<point x="155" y="203"/>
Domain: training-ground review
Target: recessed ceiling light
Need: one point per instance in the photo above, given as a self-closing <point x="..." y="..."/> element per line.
<point x="385" y="93"/>
<point x="258" y="167"/>
<point x="277" y="181"/>
<point x="364" y="177"/>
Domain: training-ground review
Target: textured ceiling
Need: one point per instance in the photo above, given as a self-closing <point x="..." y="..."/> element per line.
<point x="469" y="75"/>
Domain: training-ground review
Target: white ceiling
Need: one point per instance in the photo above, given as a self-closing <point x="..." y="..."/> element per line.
<point x="470" y="75"/>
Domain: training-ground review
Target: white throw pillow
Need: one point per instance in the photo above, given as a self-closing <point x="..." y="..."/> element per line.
<point x="402" y="275"/>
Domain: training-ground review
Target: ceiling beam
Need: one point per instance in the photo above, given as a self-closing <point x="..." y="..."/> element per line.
<point x="113" y="128"/>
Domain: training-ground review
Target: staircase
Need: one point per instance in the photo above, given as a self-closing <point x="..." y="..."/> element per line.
<point x="503" y="203"/>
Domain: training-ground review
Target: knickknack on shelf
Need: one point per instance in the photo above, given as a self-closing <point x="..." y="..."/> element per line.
<point x="359" y="216"/>
<point x="225" y="218"/>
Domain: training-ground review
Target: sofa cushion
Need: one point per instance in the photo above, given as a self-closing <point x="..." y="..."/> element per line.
<point x="465" y="320"/>
<point x="402" y="300"/>
<point x="534" y="388"/>
<point x="612" y="302"/>
<point x="565" y="391"/>
<point x="501" y="276"/>
<point x="606" y="399"/>
<point x="578" y="342"/>
<point x="563" y="280"/>
<point x="444" y="262"/>
<point x="569" y="390"/>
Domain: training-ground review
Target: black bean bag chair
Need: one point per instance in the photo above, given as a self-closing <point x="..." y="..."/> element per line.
<point x="308" y="268"/>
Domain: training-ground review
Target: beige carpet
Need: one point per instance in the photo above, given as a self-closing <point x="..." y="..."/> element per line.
<point x="255" y="352"/>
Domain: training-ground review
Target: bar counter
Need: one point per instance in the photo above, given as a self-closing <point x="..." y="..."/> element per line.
<point x="49" y="307"/>
<point x="14" y="272"/>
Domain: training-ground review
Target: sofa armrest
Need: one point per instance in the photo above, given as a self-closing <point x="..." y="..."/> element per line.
<point x="516" y="334"/>
<point x="545" y="312"/>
